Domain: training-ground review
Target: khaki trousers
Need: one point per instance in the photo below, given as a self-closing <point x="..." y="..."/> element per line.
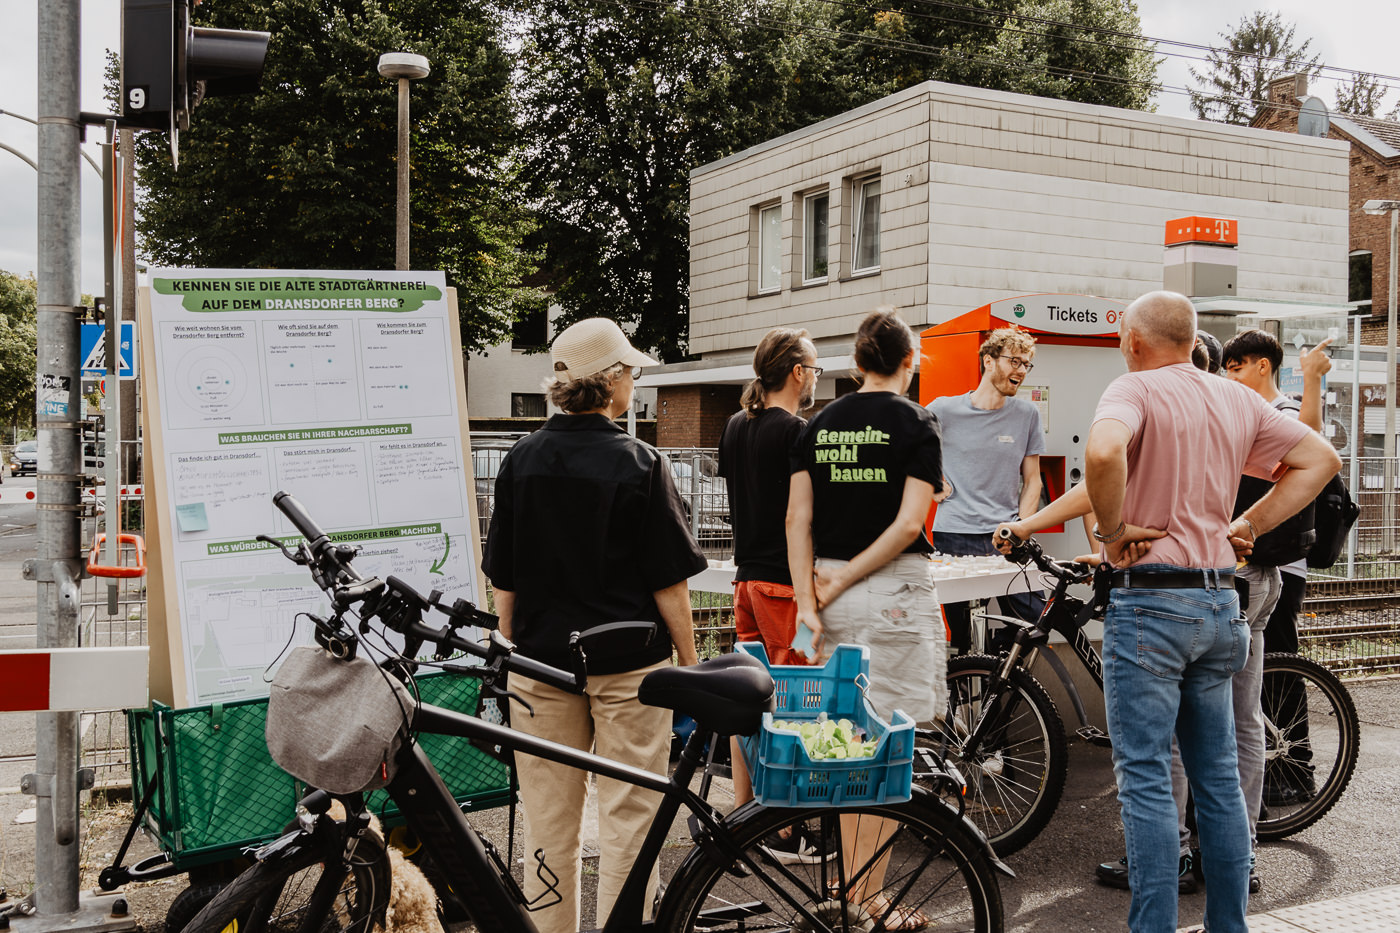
<point x="609" y="721"/>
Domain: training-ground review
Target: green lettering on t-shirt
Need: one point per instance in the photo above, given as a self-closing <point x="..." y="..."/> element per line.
<point x="867" y="475"/>
<point x="866" y="436"/>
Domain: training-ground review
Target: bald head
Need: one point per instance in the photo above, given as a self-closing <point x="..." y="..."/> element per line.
<point x="1163" y="320"/>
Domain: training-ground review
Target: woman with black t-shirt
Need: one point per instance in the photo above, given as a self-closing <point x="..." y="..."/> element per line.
<point x="864" y="474"/>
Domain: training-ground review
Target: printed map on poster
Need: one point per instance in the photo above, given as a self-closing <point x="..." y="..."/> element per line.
<point x="337" y="387"/>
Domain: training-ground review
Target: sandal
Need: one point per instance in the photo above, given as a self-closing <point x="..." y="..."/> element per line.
<point x="900" y="919"/>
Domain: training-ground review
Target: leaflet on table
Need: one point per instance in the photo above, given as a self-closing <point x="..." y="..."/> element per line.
<point x="337" y="387"/>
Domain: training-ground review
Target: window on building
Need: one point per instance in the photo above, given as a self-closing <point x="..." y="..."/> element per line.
<point x="527" y="405"/>
<point x="770" y="246"/>
<point x="531" y="332"/>
<point x="866" y="229"/>
<point x="815" y="237"/>
<point x="1359" y="280"/>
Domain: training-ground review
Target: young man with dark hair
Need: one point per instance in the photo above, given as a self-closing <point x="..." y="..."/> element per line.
<point x="1253" y="358"/>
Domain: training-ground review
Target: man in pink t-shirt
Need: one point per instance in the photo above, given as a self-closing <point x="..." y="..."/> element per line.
<point x="1163" y="461"/>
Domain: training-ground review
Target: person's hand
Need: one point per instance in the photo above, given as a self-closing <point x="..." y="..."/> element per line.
<point x="1018" y="531"/>
<point x="1241" y="535"/>
<point x="813" y="622"/>
<point x="1316" y="362"/>
<point x="945" y="490"/>
<point x="828" y="584"/>
<point x="1133" y="546"/>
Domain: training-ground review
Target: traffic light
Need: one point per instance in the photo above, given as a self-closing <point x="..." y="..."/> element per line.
<point x="169" y="66"/>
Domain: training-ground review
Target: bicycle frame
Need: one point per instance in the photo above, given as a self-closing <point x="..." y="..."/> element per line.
<point x="429" y="810"/>
<point x="468" y="861"/>
<point x="1065" y="615"/>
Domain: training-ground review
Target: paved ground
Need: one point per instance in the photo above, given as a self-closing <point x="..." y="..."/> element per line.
<point x="1331" y="877"/>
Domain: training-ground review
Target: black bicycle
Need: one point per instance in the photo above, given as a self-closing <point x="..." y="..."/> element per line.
<point x="330" y="873"/>
<point x="1006" y="737"/>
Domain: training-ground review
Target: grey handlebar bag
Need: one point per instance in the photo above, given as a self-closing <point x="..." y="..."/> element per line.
<point x="337" y="725"/>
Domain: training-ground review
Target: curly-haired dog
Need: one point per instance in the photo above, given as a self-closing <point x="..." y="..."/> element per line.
<point x="413" y="904"/>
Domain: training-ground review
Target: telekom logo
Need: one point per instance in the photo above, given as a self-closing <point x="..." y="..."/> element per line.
<point x="1222" y="231"/>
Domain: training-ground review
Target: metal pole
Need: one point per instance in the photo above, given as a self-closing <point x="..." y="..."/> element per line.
<point x="127" y="387"/>
<point x="1390" y="471"/>
<point x="58" y="413"/>
<point x="401" y="224"/>
<point x="111" y="399"/>
<point x="1357" y="447"/>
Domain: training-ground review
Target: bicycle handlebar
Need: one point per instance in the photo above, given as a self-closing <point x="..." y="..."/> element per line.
<point x="400" y="607"/>
<point x="1030" y="550"/>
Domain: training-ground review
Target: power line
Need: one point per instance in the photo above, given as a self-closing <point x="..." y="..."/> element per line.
<point x="794" y="28"/>
<point x="1128" y="35"/>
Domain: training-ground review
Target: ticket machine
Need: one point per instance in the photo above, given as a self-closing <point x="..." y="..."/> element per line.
<point x="1076" y="358"/>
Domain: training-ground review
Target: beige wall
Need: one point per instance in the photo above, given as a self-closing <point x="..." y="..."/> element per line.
<point x="988" y="195"/>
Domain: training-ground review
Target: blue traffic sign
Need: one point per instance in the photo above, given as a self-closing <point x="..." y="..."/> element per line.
<point x="94" y="350"/>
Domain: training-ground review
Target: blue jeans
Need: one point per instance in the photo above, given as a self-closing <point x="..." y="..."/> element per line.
<point x="1169" y="656"/>
<point x="1025" y="606"/>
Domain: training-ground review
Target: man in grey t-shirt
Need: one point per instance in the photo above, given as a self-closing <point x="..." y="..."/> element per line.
<point x="992" y="442"/>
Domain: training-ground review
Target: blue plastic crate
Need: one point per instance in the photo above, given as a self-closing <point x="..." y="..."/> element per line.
<point x="783" y="774"/>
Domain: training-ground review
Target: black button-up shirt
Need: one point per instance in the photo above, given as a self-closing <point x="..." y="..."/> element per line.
<point x="587" y="525"/>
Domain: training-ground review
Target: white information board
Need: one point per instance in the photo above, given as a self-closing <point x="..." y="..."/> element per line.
<point x="343" y="388"/>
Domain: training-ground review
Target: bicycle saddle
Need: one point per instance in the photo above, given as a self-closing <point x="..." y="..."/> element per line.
<point x="727" y="695"/>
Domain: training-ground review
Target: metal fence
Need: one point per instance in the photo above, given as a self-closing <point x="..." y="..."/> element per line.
<point x="112" y="613"/>
<point x="1351" y="621"/>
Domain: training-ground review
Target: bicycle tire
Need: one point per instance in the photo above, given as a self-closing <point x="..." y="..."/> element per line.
<point x="1014" y="782"/>
<point x="270" y="897"/>
<point x="1295" y="757"/>
<point x="935" y="864"/>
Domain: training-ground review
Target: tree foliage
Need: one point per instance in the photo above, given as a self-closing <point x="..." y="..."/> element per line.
<point x="623" y="98"/>
<point x="302" y="174"/>
<point x="1361" y="96"/>
<point x="1236" y="78"/>
<point x="1091" y="51"/>
<point x="18" y="348"/>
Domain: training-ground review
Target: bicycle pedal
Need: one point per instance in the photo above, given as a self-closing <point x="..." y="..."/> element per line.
<point x="1095" y="736"/>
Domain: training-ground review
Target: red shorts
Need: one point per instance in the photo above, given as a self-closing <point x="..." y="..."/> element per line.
<point x="767" y="613"/>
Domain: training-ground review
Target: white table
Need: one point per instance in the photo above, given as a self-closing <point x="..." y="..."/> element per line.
<point x="956" y="583"/>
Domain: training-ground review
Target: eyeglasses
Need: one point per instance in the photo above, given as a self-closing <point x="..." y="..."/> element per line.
<point x="816" y="370"/>
<point x="1018" y="363"/>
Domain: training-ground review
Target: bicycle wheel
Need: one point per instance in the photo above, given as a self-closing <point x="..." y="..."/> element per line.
<point x="1311" y="740"/>
<point x="932" y="863"/>
<point x="274" y="895"/>
<point x="1017" y="773"/>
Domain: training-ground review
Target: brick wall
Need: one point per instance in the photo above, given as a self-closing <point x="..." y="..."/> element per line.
<point x="694" y="416"/>
<point x="1370" y="177"/>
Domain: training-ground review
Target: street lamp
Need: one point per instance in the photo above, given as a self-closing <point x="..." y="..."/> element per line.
<point x="1393" y="209"/>
<point x="406" y="67"/>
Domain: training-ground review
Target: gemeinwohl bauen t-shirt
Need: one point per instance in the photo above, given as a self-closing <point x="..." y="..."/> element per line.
<point x="858" y="450"/>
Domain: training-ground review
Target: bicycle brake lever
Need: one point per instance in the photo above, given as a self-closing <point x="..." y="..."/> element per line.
<point x="511" y="695"/>
<point x="300" y="556"/>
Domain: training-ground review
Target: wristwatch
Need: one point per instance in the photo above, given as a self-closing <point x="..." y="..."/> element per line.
<point x="1118" y="532"/>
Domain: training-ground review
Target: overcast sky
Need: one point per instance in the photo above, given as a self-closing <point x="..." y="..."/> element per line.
<point x="1357" y="34"/>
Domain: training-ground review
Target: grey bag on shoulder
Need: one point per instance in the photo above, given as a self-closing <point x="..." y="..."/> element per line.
<point x="337" y="725"/>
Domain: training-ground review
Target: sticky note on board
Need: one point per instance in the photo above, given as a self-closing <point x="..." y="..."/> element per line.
<point x="192" y="517"/>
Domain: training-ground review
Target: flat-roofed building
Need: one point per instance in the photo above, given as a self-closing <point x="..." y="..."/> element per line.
<point x="943" y="198"/>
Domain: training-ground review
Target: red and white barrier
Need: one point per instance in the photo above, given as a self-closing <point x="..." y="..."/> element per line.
<point x="17" y="495"/>
<point x="73" y="679"/>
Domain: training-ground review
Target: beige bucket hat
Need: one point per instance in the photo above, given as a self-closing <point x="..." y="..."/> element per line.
<point x="591" y="346"/>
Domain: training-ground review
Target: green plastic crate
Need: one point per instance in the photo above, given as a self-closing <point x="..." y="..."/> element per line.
<point x="219" y="790"/>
